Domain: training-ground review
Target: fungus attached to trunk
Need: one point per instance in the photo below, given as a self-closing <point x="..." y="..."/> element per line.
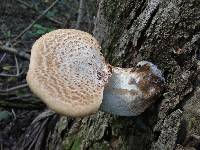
<point x="130" y="91"/>
<point x="68" y="72"/>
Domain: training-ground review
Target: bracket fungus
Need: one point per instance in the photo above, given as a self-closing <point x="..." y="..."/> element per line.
<point x="68" y="72"/>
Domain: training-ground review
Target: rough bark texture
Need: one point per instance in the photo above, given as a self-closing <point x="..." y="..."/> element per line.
<point x="167" y="33"/>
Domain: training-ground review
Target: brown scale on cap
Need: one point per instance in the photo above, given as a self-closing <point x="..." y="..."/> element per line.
<point x="68" y="72"/>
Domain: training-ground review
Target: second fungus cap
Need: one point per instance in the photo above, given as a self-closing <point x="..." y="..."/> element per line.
<point x="68" y="72"/>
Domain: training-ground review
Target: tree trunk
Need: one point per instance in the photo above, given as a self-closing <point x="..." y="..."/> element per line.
<point x="167" y="33"/>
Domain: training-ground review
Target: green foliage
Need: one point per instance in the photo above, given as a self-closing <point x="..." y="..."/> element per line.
<point x="72" y="143"/>
<point x="51" y="13"/>
<point x="39" y="30"/>
<point x="7" y="67"/>
<point x="11" y="79"/>
<point x="7" y="34"/>
<point x="5" y="115"/>
<point x="76" y="145"/>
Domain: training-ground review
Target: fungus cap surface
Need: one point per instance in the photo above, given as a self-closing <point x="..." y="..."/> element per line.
<point x="68" y="72"/>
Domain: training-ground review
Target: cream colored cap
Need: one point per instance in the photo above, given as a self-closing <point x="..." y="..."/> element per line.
<point x="68" y="72"/>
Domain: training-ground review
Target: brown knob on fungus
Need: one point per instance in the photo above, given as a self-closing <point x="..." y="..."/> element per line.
<point x="68" y="72"/>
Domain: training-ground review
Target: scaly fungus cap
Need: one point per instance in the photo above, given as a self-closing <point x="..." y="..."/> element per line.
<point x="68" y="72"/>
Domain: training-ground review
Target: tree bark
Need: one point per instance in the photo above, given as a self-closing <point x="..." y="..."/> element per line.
<point x="167" y="33"/>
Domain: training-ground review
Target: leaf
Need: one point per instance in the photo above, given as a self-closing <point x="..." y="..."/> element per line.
<point x="7" y="68"/>
<point x="76" y="144"/>
<point x="50" y="14"/>
<point x="39" y="30"/>
<point x="11" y="79"/>
<point x="5" y="115"/>
<point x="38" y="27"/>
